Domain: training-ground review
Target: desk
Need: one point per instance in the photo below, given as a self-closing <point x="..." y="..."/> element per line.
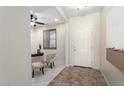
<point x="35" y="55"/>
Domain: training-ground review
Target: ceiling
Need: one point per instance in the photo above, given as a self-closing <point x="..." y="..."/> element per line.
<point x="72" y="11"/>
<point x="52" y="15"/>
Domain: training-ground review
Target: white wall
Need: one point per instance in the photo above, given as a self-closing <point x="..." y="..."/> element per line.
<point x="67" y="47"/>
<point x="115" y="28"/>
<point x="112" y="74"/>
<point x="15" y="60"/>
<point x="90" y="23"/>
<point x="37" y="38"/>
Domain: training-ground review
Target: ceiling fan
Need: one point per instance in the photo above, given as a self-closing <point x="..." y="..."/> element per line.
<point x="35" y="21"/>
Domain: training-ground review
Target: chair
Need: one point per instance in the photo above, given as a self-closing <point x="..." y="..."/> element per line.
<point x="37" y="63"/>
<point x="50" y="59"/>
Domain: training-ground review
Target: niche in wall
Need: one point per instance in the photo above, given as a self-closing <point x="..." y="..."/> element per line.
<point x="115" y="37"/>
<point x="49" y="39"/>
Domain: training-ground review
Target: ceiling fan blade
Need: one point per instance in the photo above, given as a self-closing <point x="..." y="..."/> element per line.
<point x="34" y="19"/>
<point x="40" y="23"/>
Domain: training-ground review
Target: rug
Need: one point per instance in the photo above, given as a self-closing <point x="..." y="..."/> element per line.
<point x="78" y="76"/>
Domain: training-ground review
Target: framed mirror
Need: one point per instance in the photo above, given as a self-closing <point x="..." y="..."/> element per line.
<point x="49" y="39"/>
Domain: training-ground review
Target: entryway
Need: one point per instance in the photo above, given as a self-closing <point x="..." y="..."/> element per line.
<point x="83" y="40"/>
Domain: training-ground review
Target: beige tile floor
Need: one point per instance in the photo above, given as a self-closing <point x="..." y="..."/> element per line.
<point x="78" y="76"/>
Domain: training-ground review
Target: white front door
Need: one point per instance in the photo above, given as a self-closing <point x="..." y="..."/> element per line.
<point x="80" y="41"/>
<point x="81" y="48"/>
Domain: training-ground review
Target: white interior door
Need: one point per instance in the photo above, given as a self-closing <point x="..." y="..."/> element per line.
<point x="82" y="47"/>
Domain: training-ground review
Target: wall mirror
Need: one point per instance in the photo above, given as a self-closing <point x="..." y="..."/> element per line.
<point x="49" y="39"/>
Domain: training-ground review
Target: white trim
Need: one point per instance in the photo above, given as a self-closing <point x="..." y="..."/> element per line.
<point x="60" y="11"/>
<point x="108" y="83"/>
<point x="96" y="67"/>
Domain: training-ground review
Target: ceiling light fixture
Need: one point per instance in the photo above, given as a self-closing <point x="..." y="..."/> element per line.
<point x="32" y="23"/>
<point x="56" y="19"/>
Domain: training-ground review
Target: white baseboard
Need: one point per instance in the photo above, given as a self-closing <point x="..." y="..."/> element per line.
<point x="105" y="78"/>
<point x="66" y="65"/>
<point x="96" y="68"/>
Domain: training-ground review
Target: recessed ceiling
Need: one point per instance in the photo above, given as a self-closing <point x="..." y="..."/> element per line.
<point x="58" y="14"/>
<point x="72" y="11"/>
<point x="47" y="14"/>
<point x="40" y="9"/>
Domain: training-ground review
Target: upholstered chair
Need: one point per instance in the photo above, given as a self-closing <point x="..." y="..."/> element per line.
<point x="37" y="63"/>
<point x="50" y="59"/>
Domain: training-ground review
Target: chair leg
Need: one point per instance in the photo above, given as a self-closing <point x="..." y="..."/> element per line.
<point x="33" y="73"/>
<point x="47" y="64"/>
<point x="42" y="70"/>
<point x="51" y="65"/>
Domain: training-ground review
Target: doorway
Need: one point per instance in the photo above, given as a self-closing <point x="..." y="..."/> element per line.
<point x="83" y="40"/>
<point x="81" y="48"/>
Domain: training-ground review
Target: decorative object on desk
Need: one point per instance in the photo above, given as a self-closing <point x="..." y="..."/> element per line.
<point x="117" y="49"/>
<point x="38" y="50"/>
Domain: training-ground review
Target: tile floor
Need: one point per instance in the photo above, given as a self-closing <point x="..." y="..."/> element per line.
<point x="43" y="80"/>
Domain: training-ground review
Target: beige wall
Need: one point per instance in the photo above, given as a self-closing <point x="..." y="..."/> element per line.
<point x="112" y="74"/>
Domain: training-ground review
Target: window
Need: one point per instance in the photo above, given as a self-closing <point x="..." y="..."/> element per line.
<point x="49" y="39"/>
